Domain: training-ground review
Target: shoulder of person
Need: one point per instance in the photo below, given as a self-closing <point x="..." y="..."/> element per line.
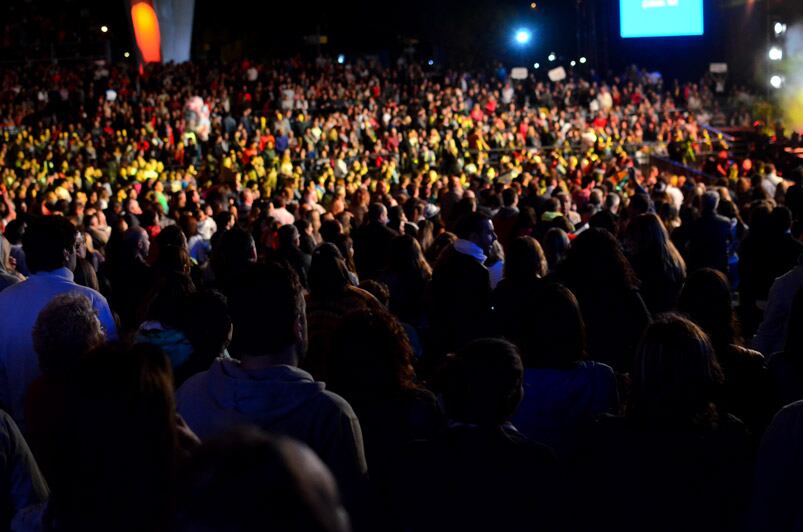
<point x="598" y="369"/>
<point x="532" y="447"/>
<point x="790" y="419"/>
<point x="195" y="384"/>
<point x="330" y="402"/>
<point x="748" y="354"/>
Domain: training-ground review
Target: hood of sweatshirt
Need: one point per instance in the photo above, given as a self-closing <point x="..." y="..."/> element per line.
<point x="266" y="395"/>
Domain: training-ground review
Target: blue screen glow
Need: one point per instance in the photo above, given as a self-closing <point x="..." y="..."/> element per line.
<point x="660" y="18"/>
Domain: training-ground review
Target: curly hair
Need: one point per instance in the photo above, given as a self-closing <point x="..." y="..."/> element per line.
<point x="66" y="329"/>
<point x="371" y="355"/>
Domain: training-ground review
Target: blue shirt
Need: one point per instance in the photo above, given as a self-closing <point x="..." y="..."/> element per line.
<point x="20" y="305"/>
<point x="558" y="403"/>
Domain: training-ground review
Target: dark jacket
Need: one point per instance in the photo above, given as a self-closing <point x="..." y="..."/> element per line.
<point x="709" y="240"/>
<point x="371" y="243"/>
<point x="460" y="293"/>
<point x="660" y="477"/>
<point x="473" y="478"/>
<point x="511" y="306"/>
<point x="778" y="485"/>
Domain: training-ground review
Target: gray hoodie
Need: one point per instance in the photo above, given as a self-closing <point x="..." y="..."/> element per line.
<point x="283" y="400"/>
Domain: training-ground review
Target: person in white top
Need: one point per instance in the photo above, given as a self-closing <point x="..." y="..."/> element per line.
<point x="280" y="213"/>
<point x="770" y="181"/>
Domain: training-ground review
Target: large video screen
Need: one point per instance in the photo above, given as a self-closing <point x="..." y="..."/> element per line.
<point x="660" y="18"/>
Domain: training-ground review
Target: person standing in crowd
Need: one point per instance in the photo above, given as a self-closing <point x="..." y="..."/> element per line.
<point x="767" y="252"/>
<point x="371" y="366"/>
<point x="23" y="485"/>
<point x="330" y="297"/>
<point x="49" y="244"/>
<point x="709" y="237"/>
<point x="785" y="367"/>
<point x="274" y="482"/>
<point x="8" y="276"/>
<point x="679" y="461"/>
<point x="65" y="331"/>
<point x="120" y="446"/>
<point x="263" y="385"/>
<point x="372" y="242"/>
<point x="407" y="276"/>
<point x="514" y="487"/>
<point x="606" y="287"/>
<point x="771" y="334"/>
<point x="706" y="300"/>
<point x="563" y="392"/>
<point x="777" y="487"/>
<point x="525" y="267"/>
<point x="460" y="290"/>
<point x="657" y="263"/>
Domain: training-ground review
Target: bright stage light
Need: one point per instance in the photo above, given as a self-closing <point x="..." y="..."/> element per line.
<point x="104" y="29"/>
<point x="582" y="60"/>
<point x="775" y="54"/>
<point x="536" y="66"/>
<point x="779" y="28"/>
<point x="776" y="81"/>
<point x="146" y="32"/>
<point x="551" y="56"/>
<point x="126" y="55"/>
<point x="523" y="36"/>
<point x="431" y="62"/>
<point x="573" y="63"/>
<point x="341" y="59"/>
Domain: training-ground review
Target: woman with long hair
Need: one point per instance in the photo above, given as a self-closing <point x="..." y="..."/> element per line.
<point x="656" y="261"/>
<point x="599" y="275"/>
<point x="407" y="274"/>
<point x="371" y="366"/>
<point x="121" y="444"/>
<point x="706" y="299"/>
<point x="525" y="266"/>
<point x="678" y="460"/>
<point x="563" y="392"/>
<point x="331" y="295"/>
<point x="440" y="243"/>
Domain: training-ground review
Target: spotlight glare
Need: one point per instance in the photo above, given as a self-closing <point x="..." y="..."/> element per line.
<point x="536" y="66"/>
<point x="104" y="29"/>
<point x="779" y="28"/>
<point x="582" y="60"/>
<point x="775" y="54"/>
<point x="776" y="81"/>
<point x="126" y="55"/>
<point x="551" y="56"/>
<point x="523" y="36"/>
<point x="573" y="63"/>
<point x="431" y="62"/>
<point x="341" y="59"/>
<point x="533" y="5"/>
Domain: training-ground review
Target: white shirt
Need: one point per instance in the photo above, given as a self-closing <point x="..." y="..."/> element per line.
<point x="282" y="216"/>
<point x="676" y="195"/>
<point x="19" y="307"/>
<point x="770" y="184"/>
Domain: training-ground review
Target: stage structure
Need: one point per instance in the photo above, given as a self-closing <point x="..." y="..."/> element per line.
<point x="162" y="29"/>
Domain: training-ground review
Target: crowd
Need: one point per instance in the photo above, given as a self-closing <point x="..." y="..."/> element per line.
<point x="330" y="298"/>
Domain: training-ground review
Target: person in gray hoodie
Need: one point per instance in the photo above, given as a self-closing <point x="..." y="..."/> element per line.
<point x="263" y="385"/>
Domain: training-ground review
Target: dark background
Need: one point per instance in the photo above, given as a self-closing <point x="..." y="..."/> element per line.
<point x="451" y="32"/>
